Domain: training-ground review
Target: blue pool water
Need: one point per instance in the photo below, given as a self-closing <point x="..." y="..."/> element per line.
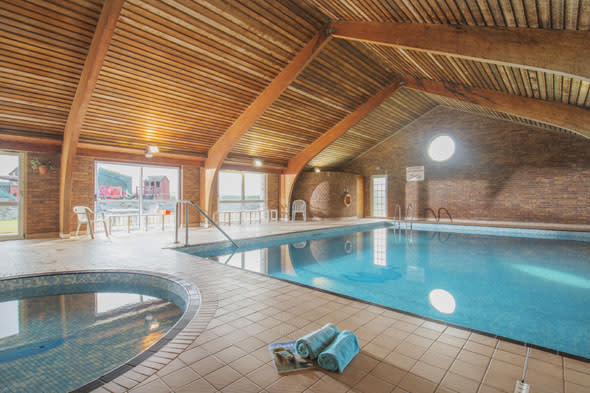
<point x="58" y="333"/>
<point x="527" y="289"/>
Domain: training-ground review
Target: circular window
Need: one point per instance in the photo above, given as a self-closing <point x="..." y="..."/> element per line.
<point x="441" y="148"/>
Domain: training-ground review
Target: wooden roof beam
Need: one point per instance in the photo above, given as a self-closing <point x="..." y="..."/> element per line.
<point x="558" y="51"/>
<point x="219" y="151"/>
<point x="557" y="114"/>
<point x="297" y="163"/>
<point x="99" y="46"/>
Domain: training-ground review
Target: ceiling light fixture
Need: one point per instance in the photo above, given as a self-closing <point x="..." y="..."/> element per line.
<point x="317" y="170"/>
<point x="257" y="162"/>
<point x="150" y="150"/>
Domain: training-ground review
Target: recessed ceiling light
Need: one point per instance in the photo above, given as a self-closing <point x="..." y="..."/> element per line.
<point x="257" y="162"/>
<point x="153" y="149"/>
<point x="316" y="170"/>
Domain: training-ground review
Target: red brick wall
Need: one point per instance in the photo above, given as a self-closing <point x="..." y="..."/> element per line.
<point x="500" y="171"/>
<point x="272" y="190"/>
<point x="190" y="190"/>
<point x="82" y="186"/>
<point x="42" y="197"/>
<point x="324" y="193"/>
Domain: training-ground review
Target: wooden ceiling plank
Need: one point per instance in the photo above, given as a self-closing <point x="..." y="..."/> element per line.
<point x="242" y="124"/>
<point x="546" y="50"/>
<point x="557" y="114"/>
<point x="104" y="31"/>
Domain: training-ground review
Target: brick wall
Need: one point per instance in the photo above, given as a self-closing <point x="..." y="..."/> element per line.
<point x="500" y="171"/>
<point x="82" y="186"/>
<point x="323" y="193"/>
<point x="190" y="185"/>
<point x="42" y="197"/>
<point x="272" y="190"/>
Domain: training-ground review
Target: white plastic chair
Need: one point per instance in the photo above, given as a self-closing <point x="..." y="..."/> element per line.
<point x="84" y="214"/>
<point x="298" y="206"/>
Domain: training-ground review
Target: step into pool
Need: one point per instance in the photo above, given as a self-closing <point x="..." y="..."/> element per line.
<point x="527" y="289"/>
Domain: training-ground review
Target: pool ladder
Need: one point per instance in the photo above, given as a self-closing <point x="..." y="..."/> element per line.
<point x="397" y="216"/>
<point x="437" y="216"/>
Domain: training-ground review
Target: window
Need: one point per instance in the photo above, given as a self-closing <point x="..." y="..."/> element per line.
<point x="441" y="148"/>
<point x="10" y="201"/>
<point x="379" y="194"/>
<point x="241" y="191"/>
<point x="123" y="189"/>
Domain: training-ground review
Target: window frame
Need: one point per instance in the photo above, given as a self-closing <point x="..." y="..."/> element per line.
<point x="243" y="189"/>
<point x="373" y="177"/>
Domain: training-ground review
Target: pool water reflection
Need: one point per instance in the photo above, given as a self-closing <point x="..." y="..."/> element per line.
<point x="58" y="343"/>
<point x="526" y="289"/>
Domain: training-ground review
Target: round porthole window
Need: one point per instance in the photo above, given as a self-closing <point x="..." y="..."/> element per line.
<point x="441" y="148"/>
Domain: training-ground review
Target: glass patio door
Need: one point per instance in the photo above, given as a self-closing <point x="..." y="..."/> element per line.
<point x="10" y="196"/>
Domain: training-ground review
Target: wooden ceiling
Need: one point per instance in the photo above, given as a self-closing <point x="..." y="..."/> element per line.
<point x="43" y="46"/>
<point x="178" y="73"/>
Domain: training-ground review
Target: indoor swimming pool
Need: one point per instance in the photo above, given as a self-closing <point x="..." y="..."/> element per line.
<point x="526" y="289"/>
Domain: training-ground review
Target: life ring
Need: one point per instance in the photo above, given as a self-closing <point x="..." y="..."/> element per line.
<point x="348" y="246"/>
<point x="347" y="200"/>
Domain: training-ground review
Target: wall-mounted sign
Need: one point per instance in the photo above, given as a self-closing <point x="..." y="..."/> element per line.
<point x="415" y="173"/>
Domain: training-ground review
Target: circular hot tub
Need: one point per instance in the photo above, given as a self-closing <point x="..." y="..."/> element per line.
<point x="73" y="331"/>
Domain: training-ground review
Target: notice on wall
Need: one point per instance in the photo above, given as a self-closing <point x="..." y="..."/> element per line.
<point x="415" y="173"/>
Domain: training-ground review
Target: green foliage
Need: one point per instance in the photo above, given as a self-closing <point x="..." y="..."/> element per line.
<point x="36" y="163"/>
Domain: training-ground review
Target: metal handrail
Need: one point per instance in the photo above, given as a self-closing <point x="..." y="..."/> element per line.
<point x="187" y="203"/>
<point x="409" y="208"/>
<point x="448" y="214"/>
<point x="429" y="209"/>
<point x="398" y="209"/>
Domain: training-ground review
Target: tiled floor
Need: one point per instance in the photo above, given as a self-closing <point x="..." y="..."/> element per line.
<point x="242" y="312"/>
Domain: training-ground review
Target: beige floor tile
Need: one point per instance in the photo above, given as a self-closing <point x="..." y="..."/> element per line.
<point x="174" y="365"/>
<point x="180" y="377"/>
<point x="572" y="364"/>
<point x="491" y="389"/>
<point x="479" y="348"/>
<point x="327" y="384"/>
<point x="410" y="350"/>
<point x="371" y="384"/>
<point x="574" y="388"/>
<point x="264" y="375"/>
<point x="363" y="362"/>
<point x="577" y="377"/>
<point x="242" y="385"/>
<point x="434" y="358"/>
<point x="294" y="383"/>
<point x="200" y="386"/>
<point x="400" y="360"/>
<point x="350" y="376"/>
<point x="419" y="340"/>
<point x="389" y="373"/>
<point x="428" y="371"/>
<point x="428" y="333"/>
<point x="415" y="384"/>
<point x="222" y="377"/>
<point x="451" y="340"/>
<point x="207" y="365"/>
<point x="485" y="340"/>
<point x="156" y="386"/>
<point x="474" y="358"/>
<point x="400" y="390"/>
<point x="507" y="346"/>
<point x="193" y="355"/>
<point x="376" y="351"/>
<point x="459" y="383"/>
<point x="460" y="333"/>
<point x="469" y="370"/>
<point x="230" y="354"/>
<point x="246" y="364"/>
<point x="251" y="344"/>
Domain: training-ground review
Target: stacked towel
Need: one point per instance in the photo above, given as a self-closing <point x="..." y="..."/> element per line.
<point x="310" y="345"/>
<point x="340" y="352"/>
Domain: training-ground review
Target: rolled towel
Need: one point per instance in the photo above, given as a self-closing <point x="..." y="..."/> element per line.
<point x="340" y="352"/>
<point x="310" y="345"/>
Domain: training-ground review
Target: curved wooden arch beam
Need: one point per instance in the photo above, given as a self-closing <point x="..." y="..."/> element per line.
<point x="105" y="28"/>
<point x="297" y="163"/>
<point x="557" y="51"/>
<point x="557" y="114"/>
<point x="231" y="136"/>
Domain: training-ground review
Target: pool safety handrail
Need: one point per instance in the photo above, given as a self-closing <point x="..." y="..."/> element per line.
<point x="397" y="209"/>
<point x="445" y="210"/>
<point x="429" y="209"/>
<point x="409" y="208"/>
<point x="186" y="221"/>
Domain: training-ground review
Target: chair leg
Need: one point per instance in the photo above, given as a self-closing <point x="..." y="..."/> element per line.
<point x="78" y="229"/>
<point x="91" y="226"/>
<point x="106" y="230"/>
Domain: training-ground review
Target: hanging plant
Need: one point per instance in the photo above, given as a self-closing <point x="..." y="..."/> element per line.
<point x="42" y="166"/>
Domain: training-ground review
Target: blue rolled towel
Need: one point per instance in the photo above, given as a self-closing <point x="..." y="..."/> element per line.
<point x="340" y="352"/>
<point x="310" y="345"/>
